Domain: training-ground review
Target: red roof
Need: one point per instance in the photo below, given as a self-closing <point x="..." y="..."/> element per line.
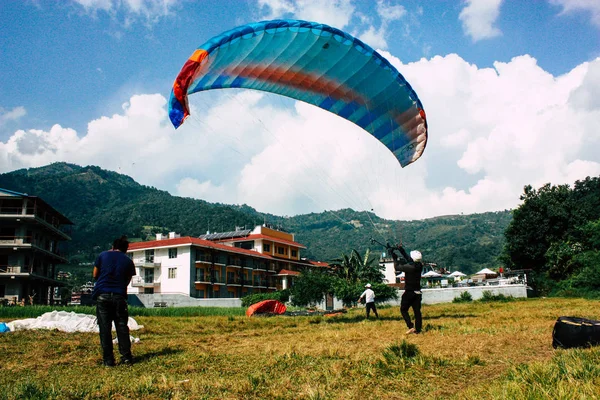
<point x="192" y="241"/>
<point x="264" y="237"/>
<point x="318" y="263"/>
<point x="288" y="272"/>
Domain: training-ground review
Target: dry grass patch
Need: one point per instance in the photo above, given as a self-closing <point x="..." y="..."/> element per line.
<point x="468" y="350"/>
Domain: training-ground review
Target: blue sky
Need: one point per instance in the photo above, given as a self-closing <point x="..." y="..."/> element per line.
<point x="510" y="88"/>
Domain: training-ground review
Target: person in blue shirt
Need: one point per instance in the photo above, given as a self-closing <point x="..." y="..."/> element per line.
<point x="113" y="270"/>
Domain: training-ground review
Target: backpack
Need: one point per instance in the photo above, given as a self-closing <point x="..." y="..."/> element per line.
<point x="570" y="332"/>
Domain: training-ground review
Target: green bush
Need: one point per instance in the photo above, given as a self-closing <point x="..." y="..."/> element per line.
<point x="311" y="287"/>
<point x="402" y="351"/>
<point x="465" y="297"/>
<point x="281" y="295"/>
<point x="487" y="296"/>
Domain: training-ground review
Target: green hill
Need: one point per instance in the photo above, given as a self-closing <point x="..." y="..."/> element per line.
<point x="103" y="204"/>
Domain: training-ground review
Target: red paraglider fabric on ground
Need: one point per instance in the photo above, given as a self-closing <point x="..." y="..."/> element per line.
<point x="266" y="307"/>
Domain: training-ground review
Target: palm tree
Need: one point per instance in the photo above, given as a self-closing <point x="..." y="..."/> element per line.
<point x="354" y="268"/>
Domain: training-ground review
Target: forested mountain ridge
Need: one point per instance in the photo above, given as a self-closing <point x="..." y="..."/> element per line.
<point x="103" y="204"/>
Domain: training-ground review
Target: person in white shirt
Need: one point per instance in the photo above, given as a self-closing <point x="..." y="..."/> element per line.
<point x="369" y="296"/>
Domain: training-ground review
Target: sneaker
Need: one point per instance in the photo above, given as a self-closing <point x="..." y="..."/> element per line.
<point x="411" y="331"/>
<point x="108" y="363"/>
<point x="127" y="361"/>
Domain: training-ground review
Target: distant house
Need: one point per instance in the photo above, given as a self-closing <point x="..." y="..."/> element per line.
<point x="30" y="234"/>
<point x="219" y="265"/>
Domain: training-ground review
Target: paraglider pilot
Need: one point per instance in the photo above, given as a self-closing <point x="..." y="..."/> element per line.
<point x="412" y="296"/>
<point x="369" y="296"/>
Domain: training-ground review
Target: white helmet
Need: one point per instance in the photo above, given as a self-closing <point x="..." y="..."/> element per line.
<point x="368" y="285"/>
<point x="416" y="255"/>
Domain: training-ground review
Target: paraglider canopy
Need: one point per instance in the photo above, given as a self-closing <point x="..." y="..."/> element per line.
<point x="314" y="63"/>
<point x="266" y="307"/>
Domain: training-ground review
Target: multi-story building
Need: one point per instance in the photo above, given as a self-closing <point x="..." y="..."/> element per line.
<point x="30" y="234"/>
<point x="220" y="265"/>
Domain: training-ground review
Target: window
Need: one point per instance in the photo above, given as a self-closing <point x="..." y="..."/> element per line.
<point x="280" y="250"/>
<point x="149" y="255"/>
<point x="248" y="245"/>
<point x="267" y="248"/>
<point x="200" y="275"/>
<point x="172" y="273"/>
<point x="294" y="253"/>
<point x="173" y="253"/>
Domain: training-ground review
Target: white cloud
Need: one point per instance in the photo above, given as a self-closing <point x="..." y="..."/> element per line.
<point x="150" y="11"/>
<point x="11" y="115"/>
<point x="374" y="37"/>
<point x="458" y="138"/>
<point x="478" y="18"/>
<point x="377" y="37"/>
<point x="491" y="132"/>
<point x="336" y="13"/>
<point x="190" y="187"/>
<point x="390" y="12"/>
<point x="573" y="6"/>
<point x="585" y="97"/>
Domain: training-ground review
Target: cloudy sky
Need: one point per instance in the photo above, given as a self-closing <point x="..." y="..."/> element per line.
<point x="511" y="89"/>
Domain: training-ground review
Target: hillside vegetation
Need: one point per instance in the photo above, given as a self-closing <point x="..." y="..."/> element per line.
<point x="103" y="204"/>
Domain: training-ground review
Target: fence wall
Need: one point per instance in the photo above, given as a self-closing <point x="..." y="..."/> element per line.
<point x="446" y="295"/>
<point x="179" y="300"/>
<point x="430" y="296"/>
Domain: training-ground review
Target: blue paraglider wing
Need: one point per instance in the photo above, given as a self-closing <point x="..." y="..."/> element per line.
<point x="314" y="63"/>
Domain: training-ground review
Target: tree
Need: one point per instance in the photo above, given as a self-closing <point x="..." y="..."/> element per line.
<point x="355" y="268"/>
<point x="311" y="287"/>
<point x="556" y="232"/>
<point x="346" y="280"/>
<point x="546" y="216"/>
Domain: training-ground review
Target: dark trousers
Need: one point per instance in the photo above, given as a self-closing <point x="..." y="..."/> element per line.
<point x="411" y="299"/>
<point x="371" y="306"/>
<point x="111" y="307"/>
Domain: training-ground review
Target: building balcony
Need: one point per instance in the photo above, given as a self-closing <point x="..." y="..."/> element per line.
<point x="260" y="283"/>
<point x="204" y="259"/>
<point x="238" y="282"/>
<point x="205" y="280"/>
<point x="145" y="283"/>
<point x="19" y="214"/>
<point x="25" y="243"/>
<point x="9" y="269"/>
<point x="146" y="263"/>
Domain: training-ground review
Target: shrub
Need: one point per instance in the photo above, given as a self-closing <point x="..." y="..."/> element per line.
<point x="310" y="288"/>
<point x="487" y="296"/>
<point x="281" y="295"/>
<point x="465" y="297"/>
<point x="402" y="351"/>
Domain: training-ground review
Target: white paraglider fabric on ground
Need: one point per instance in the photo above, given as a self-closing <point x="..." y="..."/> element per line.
<point x="66" y="322"/>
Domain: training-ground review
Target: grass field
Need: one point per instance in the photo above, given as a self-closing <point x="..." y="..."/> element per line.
<point x="494" y="350"/>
